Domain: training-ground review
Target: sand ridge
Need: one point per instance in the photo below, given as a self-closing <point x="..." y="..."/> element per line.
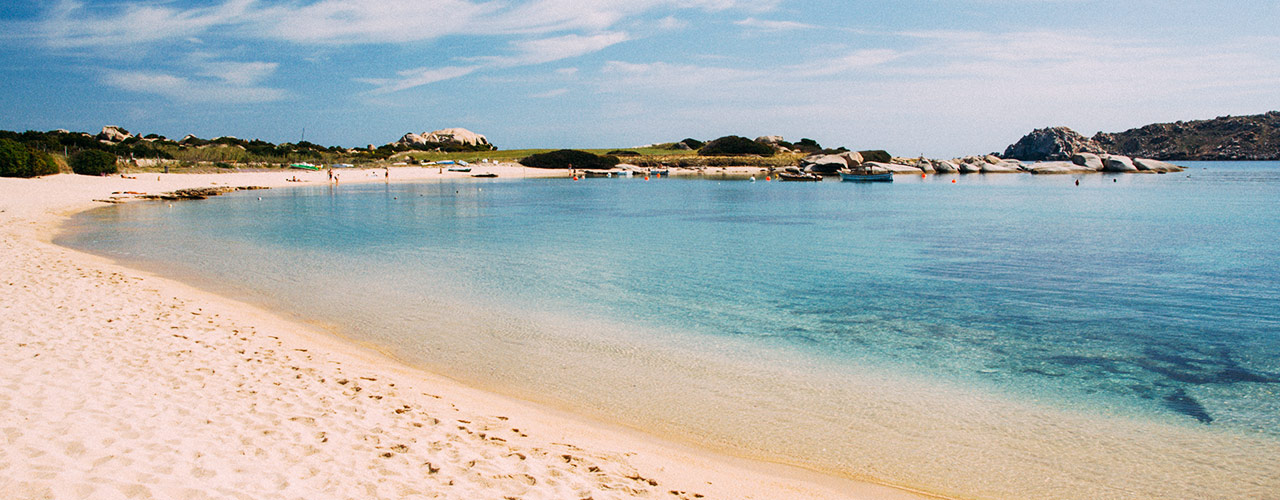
<point x="118" y="384"/>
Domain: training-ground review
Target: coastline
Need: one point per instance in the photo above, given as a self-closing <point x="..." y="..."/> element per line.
<point x="129" y="384"/>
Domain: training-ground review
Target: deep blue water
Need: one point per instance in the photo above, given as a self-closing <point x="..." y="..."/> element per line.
<point x="1155" y="295"/>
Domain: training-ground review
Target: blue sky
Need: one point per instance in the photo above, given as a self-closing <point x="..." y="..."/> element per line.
<point x="934" y="77"/>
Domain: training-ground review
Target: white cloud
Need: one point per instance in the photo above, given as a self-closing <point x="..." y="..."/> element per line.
<point x="550" y="93"/>
<point x="767" y="25"/>
<point x="213" y="81"/>
<point x="189" y="90"/>
<point x="856" y="60"/>
<point x="69" y="24"/>
<point x="416" y="78"/>
<point x="238" y="73"/>
<point x="527" y="52"/>
<point x="562" y="47"/>
<point x="670" y="23"/>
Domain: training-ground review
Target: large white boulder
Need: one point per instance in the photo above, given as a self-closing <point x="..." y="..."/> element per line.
<point x="1149" y="165"/>
<point x="853" y="158"/>
<point x="1002" y="167"/>
<point x="1117" y="163"/>
<point x="112" y="133"/>
<point x="1058" y="167"/>
<point x="894" y="167"/>
<point x="457" y="136"/>
<point x="1088" y="160"/>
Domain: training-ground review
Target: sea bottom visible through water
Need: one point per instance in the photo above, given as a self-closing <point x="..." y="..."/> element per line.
<point x="1002" y="336"/>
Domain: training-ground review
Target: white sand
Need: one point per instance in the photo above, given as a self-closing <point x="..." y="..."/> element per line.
<point x="119" y="384"/>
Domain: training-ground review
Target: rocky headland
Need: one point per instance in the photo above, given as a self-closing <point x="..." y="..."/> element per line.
<point x="1254" y="137"/>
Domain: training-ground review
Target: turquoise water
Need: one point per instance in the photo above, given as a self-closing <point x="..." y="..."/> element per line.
<point x="1141" y="310"/>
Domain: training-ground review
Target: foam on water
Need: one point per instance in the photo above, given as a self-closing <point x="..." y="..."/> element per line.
<point x="1004" y="336"/>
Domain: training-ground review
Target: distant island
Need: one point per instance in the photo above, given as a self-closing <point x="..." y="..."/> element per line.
<point x="1254" y="137"/>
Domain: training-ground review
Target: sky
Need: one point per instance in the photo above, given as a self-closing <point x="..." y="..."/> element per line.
<point x="940" y="78"/>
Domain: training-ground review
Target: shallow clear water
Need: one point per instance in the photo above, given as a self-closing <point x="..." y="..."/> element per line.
<point x="965" y="338"/>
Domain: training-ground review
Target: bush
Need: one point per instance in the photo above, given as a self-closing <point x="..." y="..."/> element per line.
<point x="566" y="158"/>
<point x="693" y="144"/>
<point x="17" y="160"/>
<point x="620" y="152"/>
<point x="735" y="146"/>
<point x="93" y="162"/>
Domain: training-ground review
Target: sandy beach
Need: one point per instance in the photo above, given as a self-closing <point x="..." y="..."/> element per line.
<point x="115" y="383"/>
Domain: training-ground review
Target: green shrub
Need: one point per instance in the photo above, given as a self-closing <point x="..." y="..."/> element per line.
<point x="693" y="144"/>
<point x="620" y="152"/>
<point x="735" y="146"/>
<point x="569" y="158"/>
<point x="17" y="160"/>
<point x="93" y="162"/>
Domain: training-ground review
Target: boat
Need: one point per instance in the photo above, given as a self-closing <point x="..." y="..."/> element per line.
<point x="485" y="175"/>
<point x="305" y="166"/>
<point x="866" y="174"/>
<point x="459" y="169"/>
<point x="342" y="165"/>
<point x="599" y="173"/>
<point x="789" y="176"/>
<point x="654" y="171"/>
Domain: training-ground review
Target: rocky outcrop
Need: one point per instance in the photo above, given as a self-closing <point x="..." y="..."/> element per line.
<point x="1051" y="144"/>
<point x="456" y="137"/>
<point x="896" y="168"/>
<point x="853" y="158"/>
<point x="112" y="133"/>
<point x="1058" y="167"/>
<point x="1254" y="137"/>
<point x="772" y="140"/>
<point x="1118" y="164"/>
<point x="876" y="155"/>
<point x="824" y="164"/>
<point x="1088" y="160"/>
<point x="197" y="193"/>
<point x="1004" y="167"/>
<point x="1149" y="165"/>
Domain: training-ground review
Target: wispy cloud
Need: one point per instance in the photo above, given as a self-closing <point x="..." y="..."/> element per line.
<point x="768" y="25"/>
<point x="70" y="24"/>
<point x="207" y="80"/>
<point x="550" y="93"/>
<point x="542" y="31"/>
<point x="525" y="53"/>
<point x="417" y="77"/>
<point x="191" y="90"/>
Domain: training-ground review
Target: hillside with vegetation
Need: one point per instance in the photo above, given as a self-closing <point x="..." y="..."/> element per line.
<point x="35" y="153"/>
<point x="1254" y="137"/>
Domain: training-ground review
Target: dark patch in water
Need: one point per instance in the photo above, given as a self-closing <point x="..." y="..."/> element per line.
<point x="1220" y="369"/>
<point x="1180" y="402"/>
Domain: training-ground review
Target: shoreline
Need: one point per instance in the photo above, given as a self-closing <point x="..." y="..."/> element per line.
<point x="281" y="370"/>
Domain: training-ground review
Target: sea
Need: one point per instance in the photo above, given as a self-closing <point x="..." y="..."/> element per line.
<point x="970" y="336"/>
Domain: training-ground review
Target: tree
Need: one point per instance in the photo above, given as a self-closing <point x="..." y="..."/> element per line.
<point x="17" y="160"/>
<point x="566" y="158"/>
<point x="93" y="162"/>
